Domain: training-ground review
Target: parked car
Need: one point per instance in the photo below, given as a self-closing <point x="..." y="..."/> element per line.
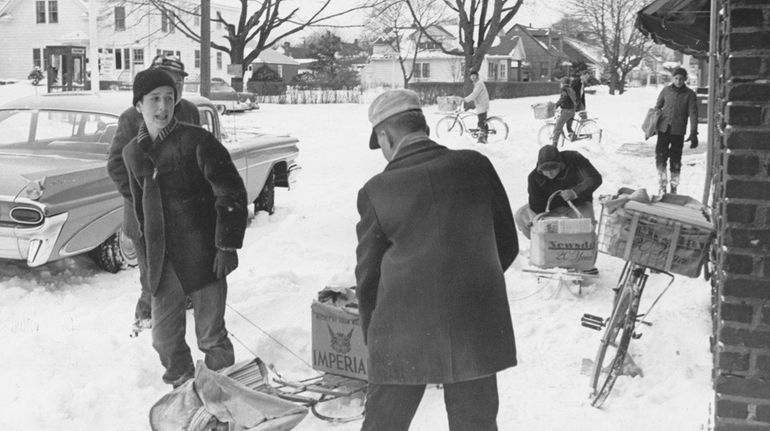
<point x="225" y="97"/>
<point x="56" y="199"/>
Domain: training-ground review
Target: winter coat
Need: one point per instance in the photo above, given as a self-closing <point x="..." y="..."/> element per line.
<point x="566" y="99"/>
<point x="435" y="236"/>
<point x="189" y="200"/>
<point x="479" y="96"/>
<point x="579" y="89"/>
<point x="577" y="174"/>
<point x="677" y="104"/>
<point x="128" y="127"/>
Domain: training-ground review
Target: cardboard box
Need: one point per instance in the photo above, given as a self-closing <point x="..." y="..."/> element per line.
<point x="337" y="341"/>
<point x="563" y="242"/>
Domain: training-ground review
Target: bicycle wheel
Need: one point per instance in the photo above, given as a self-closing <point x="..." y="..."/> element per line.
<point x="497" y="130"/>
<point x="545" y="135"/>
<point x="449" y="126"/>
<point x="589" y="131"/>
<point x="620" y="329"/>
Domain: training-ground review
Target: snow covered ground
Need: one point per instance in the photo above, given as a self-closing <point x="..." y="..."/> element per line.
<point x="68" y="363"/>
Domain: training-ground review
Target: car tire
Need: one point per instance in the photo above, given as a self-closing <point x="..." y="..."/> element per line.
<point x="221" y="109"/>
<point x="266" y="199"/>
<point x="115" y="253"/>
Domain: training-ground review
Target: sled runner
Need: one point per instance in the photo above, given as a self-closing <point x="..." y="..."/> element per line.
<point x="330" y="397"/>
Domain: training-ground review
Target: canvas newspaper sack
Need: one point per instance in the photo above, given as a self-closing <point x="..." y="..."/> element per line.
<point x="650" y="123"/>
<point x="561" y="241"/>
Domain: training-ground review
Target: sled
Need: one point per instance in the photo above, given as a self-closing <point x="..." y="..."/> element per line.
<point x="322" y="394"/>
<point x="572" y="280"/>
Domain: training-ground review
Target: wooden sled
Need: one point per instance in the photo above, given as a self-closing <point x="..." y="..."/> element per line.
<point x="322" y="394"/>
<point x="571" y="279"/>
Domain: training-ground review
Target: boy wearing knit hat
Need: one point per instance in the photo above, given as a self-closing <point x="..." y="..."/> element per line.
<point x="190" y="207"/>
<point x="128" y="127"/>
<point x="677" y="102"/>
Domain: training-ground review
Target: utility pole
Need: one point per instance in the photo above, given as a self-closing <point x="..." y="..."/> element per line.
<point x="93" y="38"/>
<point x="205" y="86"/>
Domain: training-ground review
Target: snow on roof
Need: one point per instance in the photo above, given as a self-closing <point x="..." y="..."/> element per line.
<point x="588" y="50"/>
<point x="274" y="57"/>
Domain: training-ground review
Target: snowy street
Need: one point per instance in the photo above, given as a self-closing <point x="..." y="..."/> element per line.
<point x="68" y="362"/>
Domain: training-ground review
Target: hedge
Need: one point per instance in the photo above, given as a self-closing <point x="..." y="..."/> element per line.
<point x="429" y="91"/>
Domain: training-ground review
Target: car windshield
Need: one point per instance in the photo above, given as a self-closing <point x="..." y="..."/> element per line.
<point x="50" y="131"/>
<point x="221" y="86"/>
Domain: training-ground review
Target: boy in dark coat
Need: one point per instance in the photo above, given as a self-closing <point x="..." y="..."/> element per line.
<point x="128" y="126"/>
<point x="190" y="206"/>
<point x="435" y="237"/>
<point x="566" y="102"/>
<point x="677" y="102"/>
<point x="567" y="171"/>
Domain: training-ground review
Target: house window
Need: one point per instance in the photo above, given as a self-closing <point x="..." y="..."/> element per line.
<point x="219" y="60"/>
<point x="491" y="71"/>
<point x="118" y="59"/>
<point x="543" y="69"/>
<point x="422" y="70"/>
<point x="120" y="18"/>
<point x="197" y="21"/>
<point x="428" y="45"/>
<point x="219" y="23"/>
<point x="166" y="23"/>
<point x="279" y="69"/>
<point x="40" y="11"/>
<point x="503" y="71"/>
<point x="53" y="11"/>
<point x="197" y="58"/>
<point x="37" y="57"/>
<point x="138" y="56"/>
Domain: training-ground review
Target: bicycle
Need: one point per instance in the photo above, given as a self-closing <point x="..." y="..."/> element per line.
<point x="620" y="328"/>
<point x="455" y="124"/>
<point x="586" y="129"/>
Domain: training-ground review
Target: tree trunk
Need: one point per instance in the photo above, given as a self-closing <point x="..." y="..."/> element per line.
<point x="613" y="81"/>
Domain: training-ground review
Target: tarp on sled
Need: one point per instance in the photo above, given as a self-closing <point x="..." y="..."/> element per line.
<point x="210" y="396"/>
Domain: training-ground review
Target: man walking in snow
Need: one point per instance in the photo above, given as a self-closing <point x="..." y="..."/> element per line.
<point x="480" y="97"/>
<point x="677" y="102"/>
<point x="435" y="236"/>
<point x="128" y="126"/>
<point x="190" y="207"/>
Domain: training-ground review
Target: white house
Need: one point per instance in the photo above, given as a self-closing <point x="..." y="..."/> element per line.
<point x="432" y="64"/>
<point x="128" y="40"/>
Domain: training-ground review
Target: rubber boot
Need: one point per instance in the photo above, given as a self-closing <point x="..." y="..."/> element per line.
<point x="662" y="182"/>
<point x="674" y="181"/>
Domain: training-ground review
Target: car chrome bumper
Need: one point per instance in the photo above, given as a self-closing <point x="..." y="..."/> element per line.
<point x="33" y="244"/>
<point x="292" y="176"/>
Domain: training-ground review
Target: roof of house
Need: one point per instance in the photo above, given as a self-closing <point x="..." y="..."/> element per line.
<point x="6" y="6"/>
<point x="530" y="39"/>
<point x="592" y="53"/>
<point x="508" y="46"/>
<point x="272" y="56"/>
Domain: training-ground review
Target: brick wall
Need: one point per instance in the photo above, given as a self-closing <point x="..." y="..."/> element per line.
<point x="742" y="209"/>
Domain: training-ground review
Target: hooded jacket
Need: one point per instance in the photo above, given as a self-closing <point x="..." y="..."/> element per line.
<point x="577" y="173"/>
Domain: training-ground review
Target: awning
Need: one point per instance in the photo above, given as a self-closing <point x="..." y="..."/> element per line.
<point x="682" y="25"/>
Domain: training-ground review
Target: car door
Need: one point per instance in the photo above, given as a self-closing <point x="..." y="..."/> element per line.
<point x="209" y="121"/>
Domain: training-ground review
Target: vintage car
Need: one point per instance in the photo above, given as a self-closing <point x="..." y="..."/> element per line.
<point x="224" y="97"/>
<point x="56" y="199"/>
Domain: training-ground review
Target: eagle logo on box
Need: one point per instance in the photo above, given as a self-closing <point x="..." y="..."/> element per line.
<point x="340" y="341"/>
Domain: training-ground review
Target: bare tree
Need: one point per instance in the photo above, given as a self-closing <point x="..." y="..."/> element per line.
<point x="612" y="23"/>
<point x="260" y="26"/>
<point x="391" y="21"/>
<point x="478" y="23"/>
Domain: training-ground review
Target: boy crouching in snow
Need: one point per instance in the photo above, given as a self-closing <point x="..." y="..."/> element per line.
<point x="190" y="204"/>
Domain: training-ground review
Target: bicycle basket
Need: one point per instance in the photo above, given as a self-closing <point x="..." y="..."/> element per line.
<point x="449" y="103"/>
<point x="545" y="110"/>
<point x="644" y="233"/>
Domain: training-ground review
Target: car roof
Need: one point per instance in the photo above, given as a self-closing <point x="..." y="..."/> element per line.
<point x="108" y="102"/>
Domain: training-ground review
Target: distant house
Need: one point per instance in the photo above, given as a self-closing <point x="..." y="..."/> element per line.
<point x="583" y="51"/>
<point x="543" y="56"/>
<point x="128" y="40"/>
<point x="284" y="66"/>
<point x="432" y="64"/>
<point x="300" y="54"/>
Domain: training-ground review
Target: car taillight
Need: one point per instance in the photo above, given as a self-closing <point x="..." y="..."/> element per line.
<point x="26" y="215"/>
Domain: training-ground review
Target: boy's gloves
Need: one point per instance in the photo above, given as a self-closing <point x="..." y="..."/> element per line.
<point x="225" y="262"/>
<point x="693" y="140"/>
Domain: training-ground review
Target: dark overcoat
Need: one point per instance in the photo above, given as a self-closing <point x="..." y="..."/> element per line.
<point x="436" y="234"/>
<point x="188" y="200"/>
<point x="128" y="126"/>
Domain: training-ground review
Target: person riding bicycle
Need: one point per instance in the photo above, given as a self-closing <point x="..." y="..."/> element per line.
<point x="568" y="171"/>
<point x="567" y="102"/>
<point x="579" y="84"/>
<point x="480" y="97"/>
